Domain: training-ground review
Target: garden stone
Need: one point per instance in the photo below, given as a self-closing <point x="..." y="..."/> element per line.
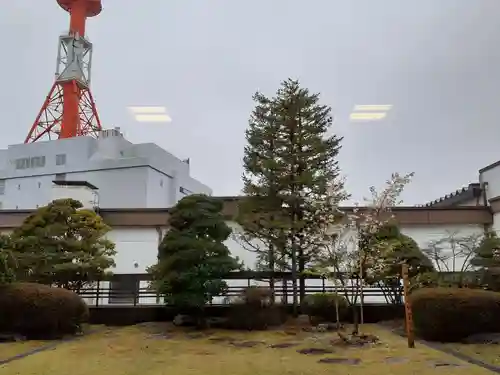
<point x="341" y="361"/>
<point x="395" y="360"/>
<point x="183" y="320"/>
<point x="222" y="339"/>
<point x="329" y="327"/>
<point x="314" y="351"/>
<point x="283" y="345"/>
<point x="444" y="364"/>
<point x="246" y="344"/>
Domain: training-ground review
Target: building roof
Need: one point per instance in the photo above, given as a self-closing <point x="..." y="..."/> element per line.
<point x="457" y="197"/>
<point x="159" y="217"/>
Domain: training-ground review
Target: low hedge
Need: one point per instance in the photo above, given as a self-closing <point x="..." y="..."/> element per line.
<point x="39" y="311"/>
<point x="320" y="307"/>
<point x="452" y="314"/>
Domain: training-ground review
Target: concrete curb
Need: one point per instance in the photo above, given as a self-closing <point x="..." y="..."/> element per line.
<point x="454" y="353"/>
<point x="49" y="346"/>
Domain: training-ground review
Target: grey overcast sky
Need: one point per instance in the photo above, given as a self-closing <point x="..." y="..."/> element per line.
<point x="436" y="61"/>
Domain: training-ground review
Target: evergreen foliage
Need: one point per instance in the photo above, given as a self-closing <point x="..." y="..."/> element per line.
<point x="63" y="244"/>
<point x="192" y="257"/>
<point x="8" y="263"/>
<point x="291" y="176"/>
<point x="487" y="259"/>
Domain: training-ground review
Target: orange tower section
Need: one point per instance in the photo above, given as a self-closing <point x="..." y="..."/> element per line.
<point x="69" y="109"/>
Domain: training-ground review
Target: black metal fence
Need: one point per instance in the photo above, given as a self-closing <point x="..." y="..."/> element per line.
<point x="133" y="289"/>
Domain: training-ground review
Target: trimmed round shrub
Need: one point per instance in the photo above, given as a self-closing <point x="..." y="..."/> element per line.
<point x="39" y="311"/>
<point x="320" y="307"/>
<point x="255" y="310"/>
<point x="452" y="314"/>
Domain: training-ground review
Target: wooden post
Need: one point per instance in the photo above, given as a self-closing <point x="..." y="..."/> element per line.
<point x="410" y="334"/>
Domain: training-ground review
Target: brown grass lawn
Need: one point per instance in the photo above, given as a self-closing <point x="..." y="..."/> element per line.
<point x="142" y="349"/>
<point x="8" y="350"/>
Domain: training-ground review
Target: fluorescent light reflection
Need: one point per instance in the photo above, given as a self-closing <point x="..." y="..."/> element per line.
<point x="366" y="116"/>
<point x="373" y="107"/>
<point x="148" y="109"/>
<point x="369" y="112"/>
<point x="152" y="118"/>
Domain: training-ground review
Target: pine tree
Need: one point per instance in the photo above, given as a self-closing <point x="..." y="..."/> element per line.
<point x="260" y="213"/>
<point x="63" y="244"/>
<point x="290" y="163"/>
<point x="192" y="257"/>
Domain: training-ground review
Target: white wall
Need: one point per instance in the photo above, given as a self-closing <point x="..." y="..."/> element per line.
<point x="491" y="177"/>
<point x="134" y="246"/>
<point x="160" y="190"/>
<point x="27" y="192"/>
<point x="127" y="175"/>
<point x="422" y="234"/>
<point x="134" y="187"/>
<point x="496" y="222"/>
<point x="140" y="246"/>
<point x="117" y="188"/>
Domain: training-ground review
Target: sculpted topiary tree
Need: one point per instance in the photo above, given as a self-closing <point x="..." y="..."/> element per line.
<point x="192" y="258"/>
<point x="63" y="244"/>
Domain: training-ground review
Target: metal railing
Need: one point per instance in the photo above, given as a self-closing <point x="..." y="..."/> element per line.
<point x="135" y="291"/>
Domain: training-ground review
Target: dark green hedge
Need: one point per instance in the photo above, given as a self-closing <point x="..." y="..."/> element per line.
<point x="39" y="311"/>
<point x="452" y="314"/>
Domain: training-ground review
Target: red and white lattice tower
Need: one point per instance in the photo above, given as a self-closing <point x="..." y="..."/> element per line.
<point x="69" y="109"/>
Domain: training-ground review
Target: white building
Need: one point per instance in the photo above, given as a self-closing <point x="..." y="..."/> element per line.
<point x="114" y="173"/>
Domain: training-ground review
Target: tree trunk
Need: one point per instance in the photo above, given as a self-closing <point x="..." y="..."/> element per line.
<point x="271" y="268"/>
<point x="295" y="296"/>
<point x="362" y="296"/>
<point x="337" y="309"/>
<point x="302" y="277"/>
<point x="355" y="316"/>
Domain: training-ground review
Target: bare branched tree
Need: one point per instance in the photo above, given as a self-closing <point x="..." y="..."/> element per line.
<point x="341" y="252"/>
<point x="453" y="252"/>
<point x="452" y="256"/>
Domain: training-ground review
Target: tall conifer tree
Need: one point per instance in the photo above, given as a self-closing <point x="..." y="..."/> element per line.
<point x="291" y="167"/>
